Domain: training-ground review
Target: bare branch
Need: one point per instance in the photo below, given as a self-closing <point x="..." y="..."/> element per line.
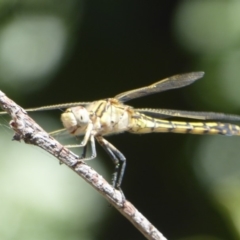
<point x="30" y="132"/>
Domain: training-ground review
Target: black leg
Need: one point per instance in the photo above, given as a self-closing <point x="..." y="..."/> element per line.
<point x="115" y="162"/>
<point x="118" y="159"/>
<point x="84" y="152"/>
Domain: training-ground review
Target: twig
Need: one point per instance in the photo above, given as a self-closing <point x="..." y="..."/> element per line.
<point x="30" y="132"/>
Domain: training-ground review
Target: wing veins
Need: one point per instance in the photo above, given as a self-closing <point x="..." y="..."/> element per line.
<point x="165" y="113"/>
<point x="176" y="81"/>
<point x="52" y="107"/>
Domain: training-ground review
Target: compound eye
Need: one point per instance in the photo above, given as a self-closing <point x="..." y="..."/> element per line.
<point x="81" y="114"/>
<point x="68" y="119"/>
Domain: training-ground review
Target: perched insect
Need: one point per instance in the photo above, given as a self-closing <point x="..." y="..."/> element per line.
<point x="96" y="119"/>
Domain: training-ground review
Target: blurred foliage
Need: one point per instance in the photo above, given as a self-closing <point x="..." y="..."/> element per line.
<point x="75" y="50"/>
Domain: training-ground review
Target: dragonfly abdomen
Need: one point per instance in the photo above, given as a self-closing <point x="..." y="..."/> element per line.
<point x="145" y="124"/>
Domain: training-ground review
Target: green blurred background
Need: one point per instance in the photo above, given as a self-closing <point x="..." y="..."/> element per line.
<point x="73" y="50"/>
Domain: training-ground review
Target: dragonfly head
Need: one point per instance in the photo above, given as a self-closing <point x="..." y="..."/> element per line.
<point x="75" y="118"/>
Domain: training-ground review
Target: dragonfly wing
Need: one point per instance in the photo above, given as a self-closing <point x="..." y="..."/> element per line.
<point x="165" y="113"/>
<point x="176" y="81"/>
<point x="58" y="132"/>
<point x="56" y="106"/>
<point x="61" y="135"/>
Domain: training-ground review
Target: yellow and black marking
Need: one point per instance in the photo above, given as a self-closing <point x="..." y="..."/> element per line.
<point x="145" y="124"/>
<point x="110" y="116"/>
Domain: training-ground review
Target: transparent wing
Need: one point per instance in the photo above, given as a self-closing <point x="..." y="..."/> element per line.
<point x="165" y="113"/>
<point x="58" y="132"/>
<point x="52" y="107"/>
<point x="61" y="135"/>
<point x="176" y="81"/>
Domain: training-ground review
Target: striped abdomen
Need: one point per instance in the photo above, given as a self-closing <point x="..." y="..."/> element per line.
<point x="144" y="124"/>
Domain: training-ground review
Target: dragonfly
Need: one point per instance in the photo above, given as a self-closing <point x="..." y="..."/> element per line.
<point x="97" y="119"/>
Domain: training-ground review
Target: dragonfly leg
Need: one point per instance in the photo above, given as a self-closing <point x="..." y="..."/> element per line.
<point x="93" y="149"/>
<point x="84" y="152"/>
<point x="114" y="159"/>
<point x="85" y="138"/>
<point x="118" y="159"/>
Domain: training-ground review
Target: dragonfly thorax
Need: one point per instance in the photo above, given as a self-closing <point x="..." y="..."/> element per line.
<point x="75" y="118"/>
